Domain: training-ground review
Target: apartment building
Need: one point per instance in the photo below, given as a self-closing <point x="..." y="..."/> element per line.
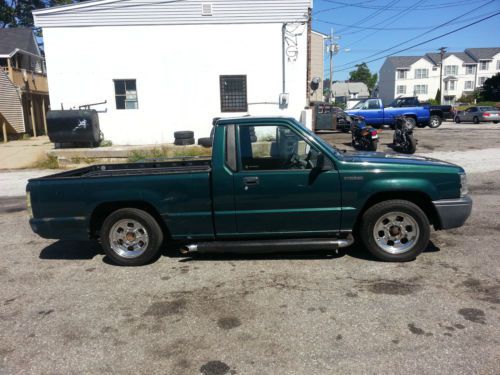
<point x="463" y="72"/>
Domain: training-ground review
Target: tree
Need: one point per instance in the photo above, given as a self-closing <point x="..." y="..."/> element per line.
<point x="18" y="13"/>
<point x="491" y="89"/>
<point x="438" y="97"/>
<point x="363" y="74"/>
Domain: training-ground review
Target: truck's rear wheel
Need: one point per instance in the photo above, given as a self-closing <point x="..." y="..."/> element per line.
<point x="131" y="237"/>
<point x="435" y="121"/>
<point x="395" y="230"/>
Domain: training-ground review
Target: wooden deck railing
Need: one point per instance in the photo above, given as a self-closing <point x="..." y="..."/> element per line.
<point x="27" y="79"/>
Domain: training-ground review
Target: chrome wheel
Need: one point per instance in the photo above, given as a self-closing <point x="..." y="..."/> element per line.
<point x="128" y="238"/>
<point x="435" y="122"/>
<point x="396" y="232"/>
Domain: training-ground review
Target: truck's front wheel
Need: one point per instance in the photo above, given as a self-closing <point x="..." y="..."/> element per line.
<point x="131" y="237"/>
<point x="395" y="230"/>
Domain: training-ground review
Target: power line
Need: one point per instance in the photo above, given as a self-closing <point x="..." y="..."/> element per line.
<point x="421" y="34"/>
<point x="425" y="41"/>
<point x="370" y="16"/>
<point x="430" y="7"/>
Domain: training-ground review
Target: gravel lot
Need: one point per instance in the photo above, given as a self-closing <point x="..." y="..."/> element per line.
<point x="65" y="309"/>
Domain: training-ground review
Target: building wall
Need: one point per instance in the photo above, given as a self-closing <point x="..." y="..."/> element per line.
<point x="491" y="71"/>
<point x="177" y="69"/>
<point x="317" y="63"/>
<point x="386" y="83"/>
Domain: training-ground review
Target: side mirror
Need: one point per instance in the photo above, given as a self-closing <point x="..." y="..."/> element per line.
<point x="323" y="163"/>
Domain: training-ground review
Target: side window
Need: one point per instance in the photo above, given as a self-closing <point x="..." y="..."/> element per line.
<point x="373" y="104"/>
<point x="233" y="94"/>
<point x="274" y="147"/>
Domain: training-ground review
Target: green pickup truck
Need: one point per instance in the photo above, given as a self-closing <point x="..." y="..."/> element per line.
<point x="270" y="185"/>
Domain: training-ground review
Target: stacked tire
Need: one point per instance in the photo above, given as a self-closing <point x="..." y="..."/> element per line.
<point x="253" y="137"/>
<point x="184" y="138"/>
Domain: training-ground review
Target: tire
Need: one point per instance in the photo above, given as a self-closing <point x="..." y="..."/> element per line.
<point x="414" y="220"/>
<point x="373" y="145"/>
<point x="412" y="145"/>
<point x="187" y="134"/>
<point x="457" y="120"/>
<point x="495" y="122"/>
<point x="475" y="120"/>
<point x="411" y="122"/>
<point x="184" y="142"/>
<point x="134" y="221"/>
<point x="205" y="142"/>
<point x="435" y="121"/>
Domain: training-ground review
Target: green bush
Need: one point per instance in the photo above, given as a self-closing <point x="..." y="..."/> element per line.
<point x="168" y="152"/>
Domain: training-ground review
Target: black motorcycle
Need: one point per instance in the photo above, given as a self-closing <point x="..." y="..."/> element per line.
<point x="403" y="140"/>
<point x="364" y="137"/>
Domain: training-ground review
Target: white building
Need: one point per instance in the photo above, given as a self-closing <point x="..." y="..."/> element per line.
<point x="463" y="72"/>
<point x="163" y="66"/>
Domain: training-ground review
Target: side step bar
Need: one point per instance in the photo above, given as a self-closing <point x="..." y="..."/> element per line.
<point x="267" y="246"/>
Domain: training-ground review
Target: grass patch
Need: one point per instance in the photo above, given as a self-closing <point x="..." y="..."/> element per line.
<point x="105" y="143"/>
<point x="168" y="152"/>
<point x="47" y="162"/>
<point x="82" y="160"/>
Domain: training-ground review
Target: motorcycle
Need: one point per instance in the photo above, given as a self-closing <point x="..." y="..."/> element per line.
<point x="364" y="137"/>
<point x="403" y="139"/>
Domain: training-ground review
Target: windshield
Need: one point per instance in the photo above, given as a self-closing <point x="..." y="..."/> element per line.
<point x="336" y="151"/>
<point x="359" y="105"/>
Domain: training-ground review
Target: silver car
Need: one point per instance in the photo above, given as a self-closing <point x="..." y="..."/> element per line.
<point x="478" y="114"/>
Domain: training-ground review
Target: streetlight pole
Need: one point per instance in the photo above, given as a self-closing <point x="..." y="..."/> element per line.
<point x="333" y="48"/>
<point x="442" y="51"/>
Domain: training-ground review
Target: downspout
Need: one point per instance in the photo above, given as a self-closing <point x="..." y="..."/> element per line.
<point x="283" y="57"/>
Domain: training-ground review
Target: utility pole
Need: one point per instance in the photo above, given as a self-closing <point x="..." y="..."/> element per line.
<point x="333" y="48"/>
<point x="442" y="51"/>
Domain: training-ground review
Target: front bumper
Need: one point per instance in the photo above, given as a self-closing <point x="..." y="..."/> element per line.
<point x="453" y="212"/>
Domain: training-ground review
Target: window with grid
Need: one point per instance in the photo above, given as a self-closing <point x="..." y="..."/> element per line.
<point x="421" y="73"/>
<point x="468" y="85"/>
<point x="469" y="69"/>
<point x="451" y="70"/>
<point x="420" y="89"/>
<point x="401" y="89"/>
<point x="125" y="94"/>
<point x="483" y="65"/>
<point x="481" y="80"/>
<point x="402" y="73"/>
<point x="498" y="64"/>
<point x="233" y="93"/>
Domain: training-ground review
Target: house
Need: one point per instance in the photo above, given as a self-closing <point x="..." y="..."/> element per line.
<point x="24" y="96"/>
<point x="163" y="66"/>
<point x="349" y="93"/>
<point x="463" y="72"/>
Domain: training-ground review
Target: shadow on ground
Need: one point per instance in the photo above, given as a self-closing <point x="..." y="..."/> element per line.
<point x="71" y="250"/>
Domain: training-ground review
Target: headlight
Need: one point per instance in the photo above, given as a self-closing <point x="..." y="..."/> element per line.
<point x="28" y="204"/>
<point x="463" y="184"/>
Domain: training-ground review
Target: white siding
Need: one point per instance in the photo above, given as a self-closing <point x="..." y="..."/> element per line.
<point x="182" y="12"/>
<point x="10" y="103"/>
<point x="177" y="69"/>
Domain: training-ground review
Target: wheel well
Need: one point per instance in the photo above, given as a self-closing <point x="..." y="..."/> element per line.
<point x="437" y="113"/>
<point x="422" y="200"/>
<point x="102" y="211"/>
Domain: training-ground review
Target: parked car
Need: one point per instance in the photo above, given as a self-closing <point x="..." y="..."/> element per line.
<point x="443" y="112"/>
<point x="478" y="114"/>
<point x="289" y="191"/>
<point x="376" y="115"/>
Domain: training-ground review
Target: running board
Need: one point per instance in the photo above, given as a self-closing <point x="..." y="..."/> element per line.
<point x="267" y="246"/>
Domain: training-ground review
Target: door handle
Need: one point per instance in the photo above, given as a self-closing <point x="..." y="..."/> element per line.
<point x="251" y="181"/>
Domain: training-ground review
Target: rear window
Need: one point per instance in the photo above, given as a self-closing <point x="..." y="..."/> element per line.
<point x="484" y="109"/>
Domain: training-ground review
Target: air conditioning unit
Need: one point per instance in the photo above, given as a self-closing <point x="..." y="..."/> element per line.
<point x="206" y="9"/>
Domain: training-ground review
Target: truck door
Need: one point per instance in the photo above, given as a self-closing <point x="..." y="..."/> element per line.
<point x="277" y="189"/>
<point x="373" y="112"/>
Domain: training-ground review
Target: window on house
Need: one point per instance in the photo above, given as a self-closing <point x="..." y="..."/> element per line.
<point x="498" y="64"/>
<point x="401" y="89"/>
<point x="451" y="70"/>
<point x="470" y="69"/>
<point x="449" y="85"/>
<point x="402" y="73"/>
<point x="125" y="94"/>
<point x="468" y="85"/>
<point x="481" y="80"/>
<point x="484" y="65"/>
<point x="233" y="94"/>
<point x="421" y="73"/>
<point x="420" y="89"/>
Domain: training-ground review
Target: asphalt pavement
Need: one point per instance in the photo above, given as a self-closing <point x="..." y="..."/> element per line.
<point x="65" y="309"/>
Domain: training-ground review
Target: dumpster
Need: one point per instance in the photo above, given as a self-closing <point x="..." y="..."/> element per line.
<point x="324" y="116"/>
<point x="74" y="126"/>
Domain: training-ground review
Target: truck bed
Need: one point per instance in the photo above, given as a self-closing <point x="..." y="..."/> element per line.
<point x="147" y="167"/>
